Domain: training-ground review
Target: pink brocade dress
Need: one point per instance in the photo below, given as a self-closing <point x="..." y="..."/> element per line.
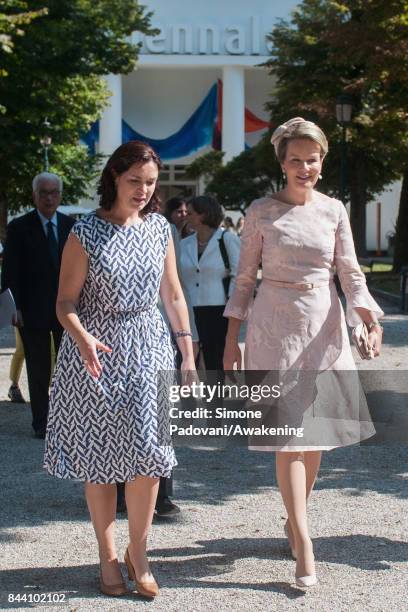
<point x="294" y="330"/>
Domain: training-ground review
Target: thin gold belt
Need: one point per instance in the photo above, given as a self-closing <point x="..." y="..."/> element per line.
<point x="300" y="286"/>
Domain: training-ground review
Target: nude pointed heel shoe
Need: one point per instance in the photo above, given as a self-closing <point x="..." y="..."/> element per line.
<point x="147" y="589"/>
<point x="112" y="590"/>
<point x="306" y="581"/>
<point x="292" y="550"/>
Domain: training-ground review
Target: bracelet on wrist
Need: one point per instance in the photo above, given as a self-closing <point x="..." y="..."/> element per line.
<point x="373" y="324"/>
<point x="182" y="332"/>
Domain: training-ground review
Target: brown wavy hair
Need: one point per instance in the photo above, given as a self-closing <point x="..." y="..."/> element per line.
<point x="132" y="152"/>
<point x="209" y="206"/>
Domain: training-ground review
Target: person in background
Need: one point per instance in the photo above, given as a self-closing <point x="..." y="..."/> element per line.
<point x="175" y="211"/>
<point x="228" y="225"/>
<point x="240" y="226"/>
<point x="203" y="270"/>
<point x="31" y="265"/>
<point x="165" y="508"/>
<point x="16" y="366"/>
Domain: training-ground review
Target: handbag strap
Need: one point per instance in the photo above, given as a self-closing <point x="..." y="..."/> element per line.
<point x="224" y="252"/>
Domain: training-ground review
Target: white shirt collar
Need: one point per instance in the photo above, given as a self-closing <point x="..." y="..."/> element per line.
<point x="44" y="220"/>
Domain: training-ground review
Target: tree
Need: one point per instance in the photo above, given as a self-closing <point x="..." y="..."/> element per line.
<point x="252" y="174"/>
<point x="385" y="50"/>
<point x="11" y="27"/>
<point x="11" y="23"/>
<point x="55" y="71"/>
<point x="401" y="234"/>
<point x="205" y="166"/>
<point x="358" y="47"/>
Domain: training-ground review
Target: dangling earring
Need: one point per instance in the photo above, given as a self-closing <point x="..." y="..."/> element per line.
<point x="284" y="175"/>
<point x="320" y="176"/>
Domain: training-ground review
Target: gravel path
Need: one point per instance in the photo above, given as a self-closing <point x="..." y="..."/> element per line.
<point x="226" y="551"/>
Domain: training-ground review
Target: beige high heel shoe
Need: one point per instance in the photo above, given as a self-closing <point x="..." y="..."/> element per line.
<point x="112" y="590"/>
<point x="306" y="581"/>
<point x="147" y="589"/>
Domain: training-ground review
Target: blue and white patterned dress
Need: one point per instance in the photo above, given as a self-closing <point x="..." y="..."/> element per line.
<point x="109" y="429"/>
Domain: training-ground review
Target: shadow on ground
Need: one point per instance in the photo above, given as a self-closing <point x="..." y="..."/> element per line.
<point x="205" y="475"/>
<point x="196" y="566"/>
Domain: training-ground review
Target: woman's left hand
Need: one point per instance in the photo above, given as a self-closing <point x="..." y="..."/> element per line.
<point x="375" y="340"/>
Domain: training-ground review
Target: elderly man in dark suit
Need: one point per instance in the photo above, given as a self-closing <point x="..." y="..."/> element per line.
<point x="31" y="265"/>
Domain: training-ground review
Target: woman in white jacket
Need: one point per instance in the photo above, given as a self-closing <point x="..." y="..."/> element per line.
<point x="203" y="267"/>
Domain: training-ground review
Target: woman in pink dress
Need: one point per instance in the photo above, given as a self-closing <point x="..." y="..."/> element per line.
<point x="296" y="323"/>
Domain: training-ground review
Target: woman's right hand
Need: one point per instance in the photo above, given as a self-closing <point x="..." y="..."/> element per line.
<point x="88" y="345"/>
<point x="232" y="355"/>
<point x="375" y="340"/>
<point x="188" y="372"/>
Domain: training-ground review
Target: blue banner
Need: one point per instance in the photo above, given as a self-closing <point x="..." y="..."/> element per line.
<point x="91" y="138"/>
<point x="195" y="134"/>
<point x="198" y="132"/>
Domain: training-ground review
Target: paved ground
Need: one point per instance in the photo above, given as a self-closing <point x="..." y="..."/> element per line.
<point x="226" y="551"/>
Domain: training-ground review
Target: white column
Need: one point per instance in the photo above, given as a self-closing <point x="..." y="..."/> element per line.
<point x="110" y="125"/>
<point x="233" y="111"/>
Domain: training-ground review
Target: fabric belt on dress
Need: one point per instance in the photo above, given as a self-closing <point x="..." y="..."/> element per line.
<point x="121" y="314"/>
<point x="300" y="286"/>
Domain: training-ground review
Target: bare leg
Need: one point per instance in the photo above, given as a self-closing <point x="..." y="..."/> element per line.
<point x="291" y="475"/>
<point x="141" y="495"/>
<point x="101" y="500"/>
<point x="312" y="461"/>
<point x="17" y="361"/>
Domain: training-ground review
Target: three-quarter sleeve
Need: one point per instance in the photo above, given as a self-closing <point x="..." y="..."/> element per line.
<point x="232" y="245"/>
<point x="250" y="255"/>
<point x="351" y="277"/>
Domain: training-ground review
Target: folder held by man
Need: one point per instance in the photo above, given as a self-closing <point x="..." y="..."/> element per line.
<point x="8" y="312"/>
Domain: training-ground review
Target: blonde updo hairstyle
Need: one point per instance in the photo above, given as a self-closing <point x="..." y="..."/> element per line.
<point x="295" y="129"/>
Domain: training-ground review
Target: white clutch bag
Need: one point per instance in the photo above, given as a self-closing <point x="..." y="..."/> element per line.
<point x="359" y="336"/>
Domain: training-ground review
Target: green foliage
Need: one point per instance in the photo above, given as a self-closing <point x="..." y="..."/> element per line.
<point x="55" y="71"/>
<point x="10" y="22"/>
<point x="358" y="47"/>
<point x="205" y="166"/>
<point x="354" y="46"/>
<point x="327" y="48"/>
<point x="10" y="27"/>
<point x="72" y="162"/>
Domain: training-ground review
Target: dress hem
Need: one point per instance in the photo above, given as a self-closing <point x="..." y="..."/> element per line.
<point x="53" y="471"/>
<point x="298" y="449"/>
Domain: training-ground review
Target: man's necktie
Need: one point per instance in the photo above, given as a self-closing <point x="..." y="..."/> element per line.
<point x="53" y="245"/>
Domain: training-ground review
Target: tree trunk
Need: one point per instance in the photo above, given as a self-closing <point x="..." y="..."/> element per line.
<point x="401" y="234"/>
<point x="358" y="201"/>
<point x="3" y="216"/>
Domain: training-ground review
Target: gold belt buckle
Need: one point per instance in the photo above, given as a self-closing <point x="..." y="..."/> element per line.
<point x="309" y="285"/>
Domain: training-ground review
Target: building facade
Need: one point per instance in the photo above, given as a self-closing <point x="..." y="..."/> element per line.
<point x="204" y="69"/>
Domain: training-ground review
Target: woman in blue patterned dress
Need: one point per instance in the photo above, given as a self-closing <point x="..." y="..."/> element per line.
<point x="104" y="424"/>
